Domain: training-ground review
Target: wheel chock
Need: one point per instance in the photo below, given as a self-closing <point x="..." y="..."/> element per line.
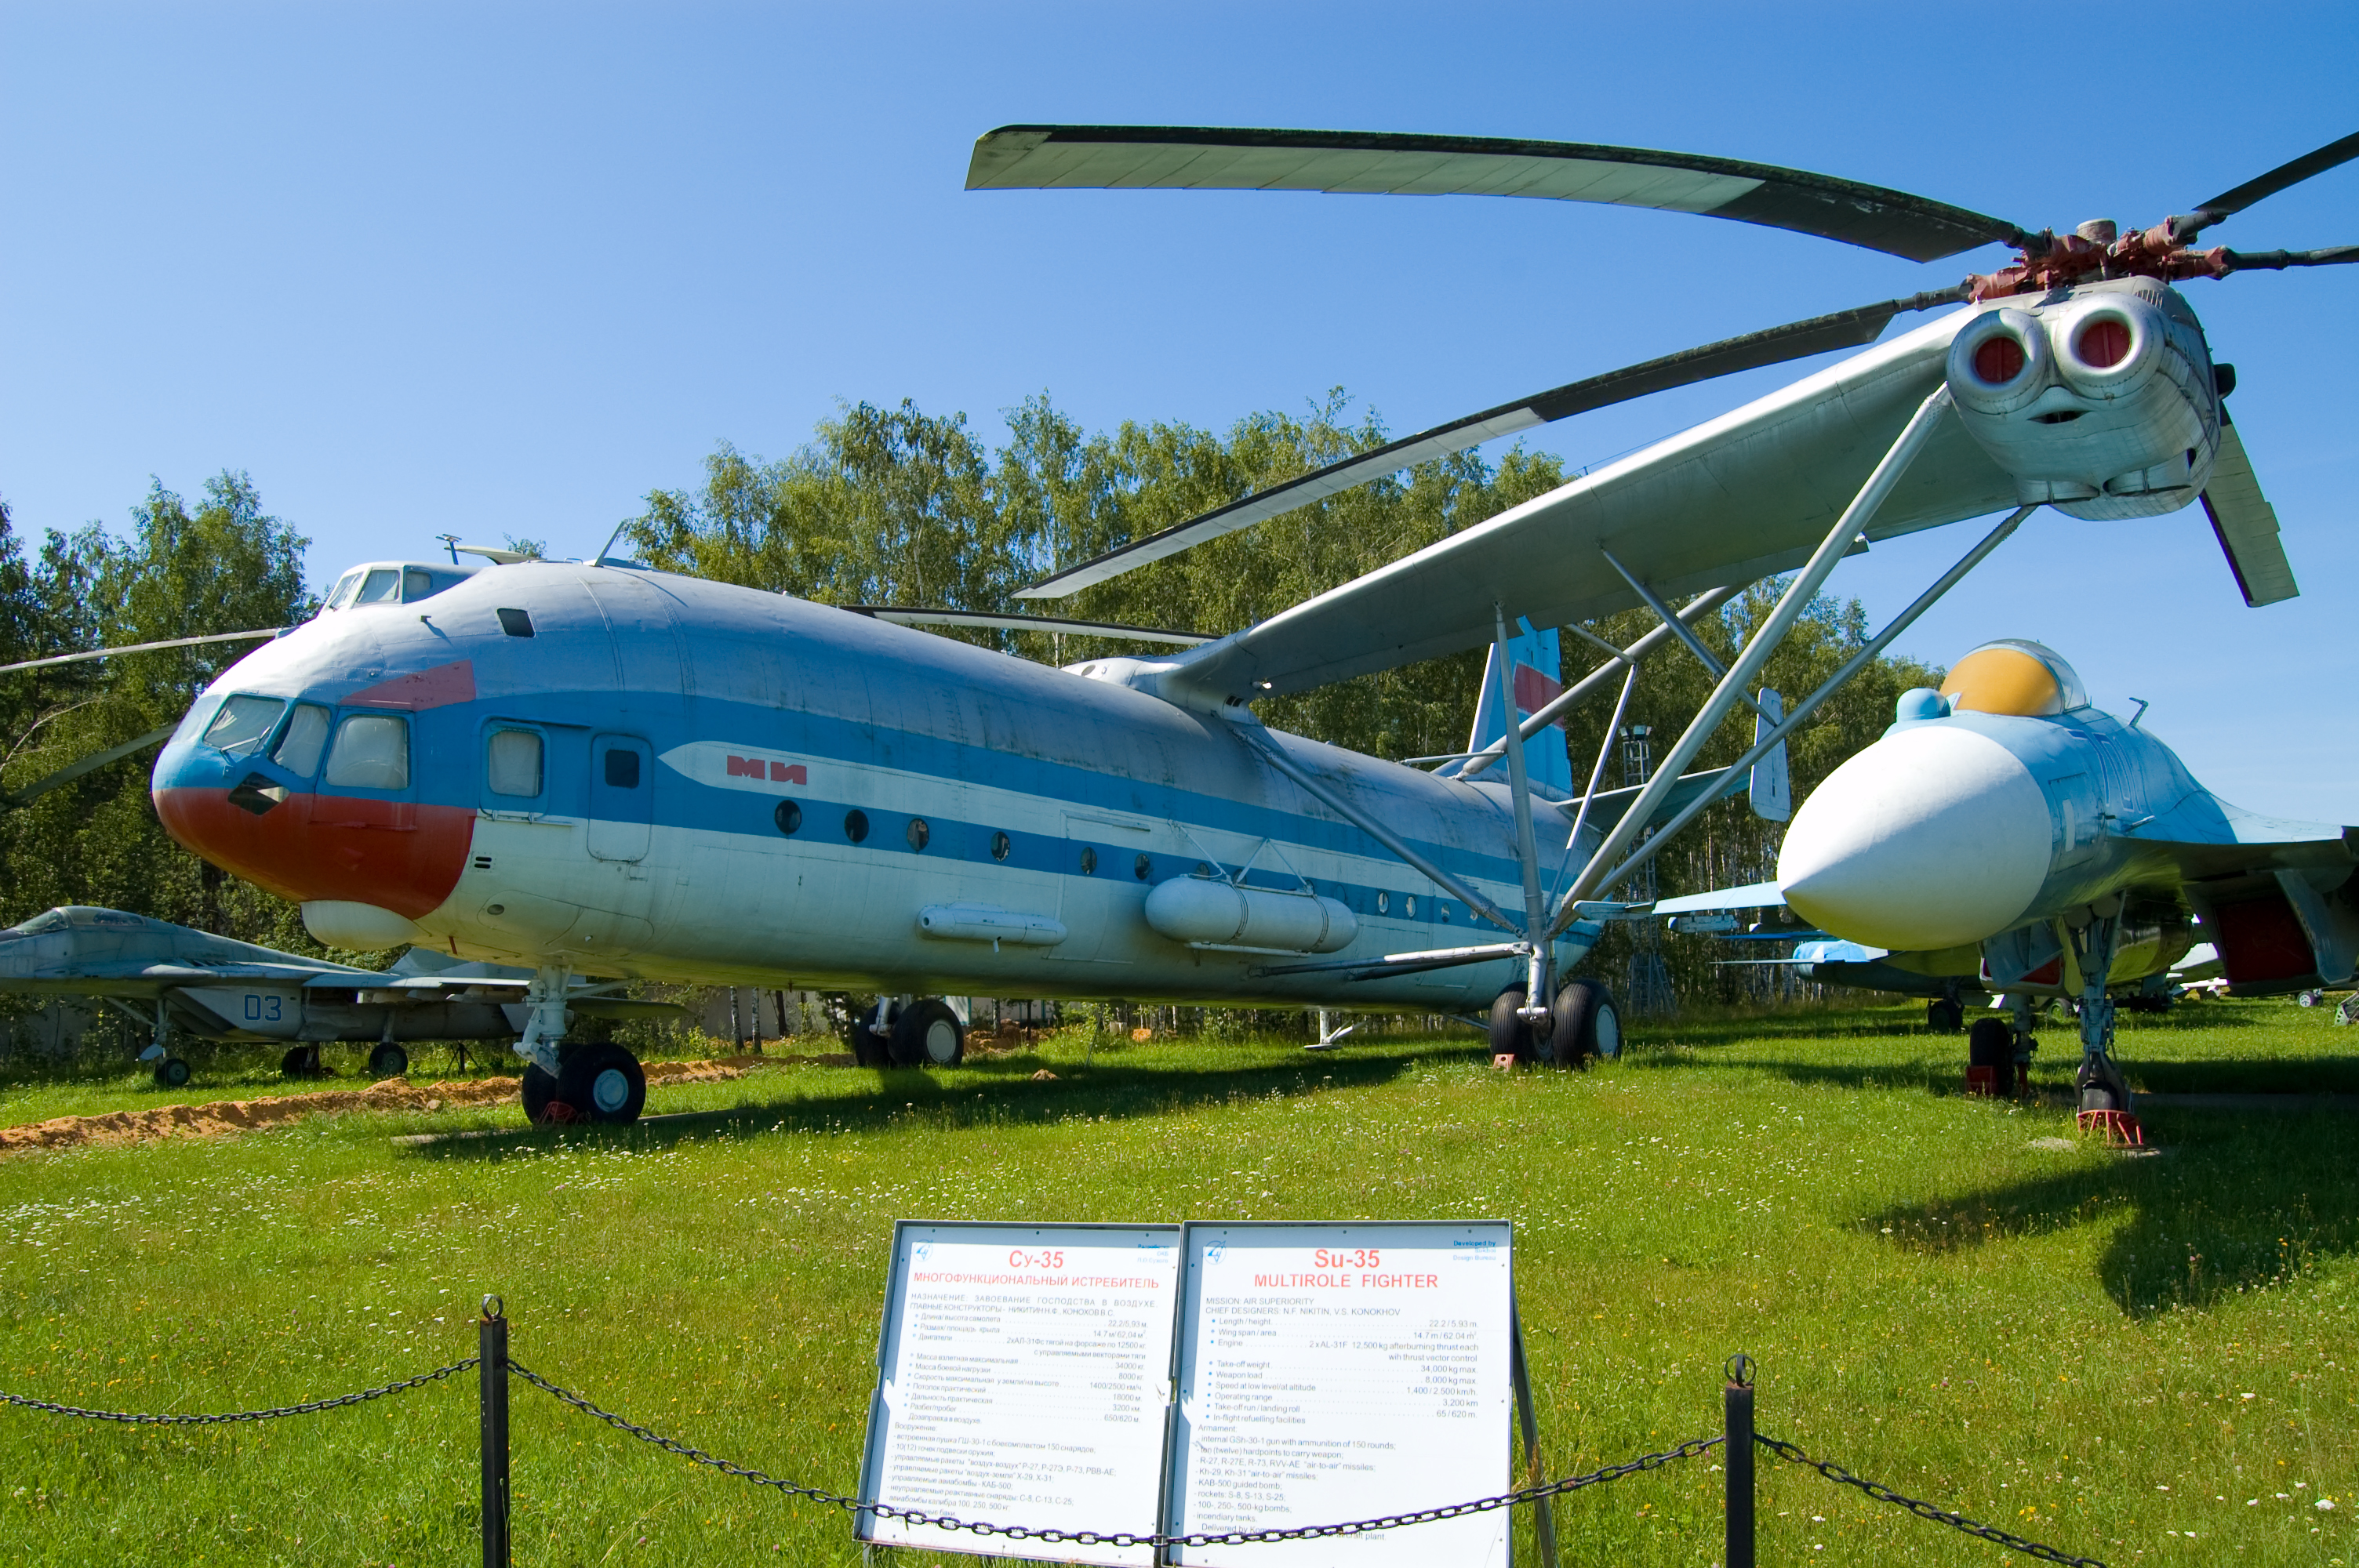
<point x="1982" y="1081"/>
<point x="557" y="1113"/>
<point x="1504" y="1062"/>
<point x="2118" y="1128"/>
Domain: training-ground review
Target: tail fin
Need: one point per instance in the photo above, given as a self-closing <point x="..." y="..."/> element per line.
<point x="1537" y="679"/>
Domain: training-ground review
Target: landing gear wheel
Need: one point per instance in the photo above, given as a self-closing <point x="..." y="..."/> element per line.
<point x="1945" y="1015"/>
<point x="1510" y="1034"/>
<point x="2102" y="1087"/>
<point x="870" y="1047"/>
<point x="302" y="1062"/>
<point x="1990" y="1058"/>
<point x="388" y="1061"/>
<point x="926" y="1035"/>
<point x="602" y="1082"/>
<point x="539" y="1090"/>
<point x="172" y="1073"/>
<point x="1587" y="1023"/>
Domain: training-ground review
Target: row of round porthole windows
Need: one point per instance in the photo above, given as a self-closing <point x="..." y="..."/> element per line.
<point x="788" y="815"/>
<point x="789" y="819"/>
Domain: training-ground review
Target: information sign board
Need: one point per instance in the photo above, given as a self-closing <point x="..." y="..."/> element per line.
<point x="1024" y="1379"/>
<point x="1335" y="1372"/>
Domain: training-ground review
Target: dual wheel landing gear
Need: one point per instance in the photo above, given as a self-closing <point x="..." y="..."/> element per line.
<point x="1582" y="1024"/>
<point x="594" y="1081"/>
<point x="905" y="1033"/>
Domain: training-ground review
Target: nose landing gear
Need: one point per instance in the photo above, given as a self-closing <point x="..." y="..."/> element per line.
<point x="2105" y="1095"/>
<point x="589" y="1081"/>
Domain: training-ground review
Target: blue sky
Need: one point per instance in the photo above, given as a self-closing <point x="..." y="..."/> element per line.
<point x="505" y="270"/>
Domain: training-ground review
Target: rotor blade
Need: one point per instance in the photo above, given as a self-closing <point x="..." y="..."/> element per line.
<point x="2273" y="261"/>
<point x="91" y="763"/>
<point x="2246" y="525"/>
<point x="900" y="616"/>
<point x="143" y="647"/>
<point x="2277" y="179"/>
<point x="1225" y="158"/>
<point x="1796" y="339"/>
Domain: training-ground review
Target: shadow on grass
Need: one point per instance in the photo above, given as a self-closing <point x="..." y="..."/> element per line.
<point x="2234" y="1202"/>
<point x="873" y="1099"/>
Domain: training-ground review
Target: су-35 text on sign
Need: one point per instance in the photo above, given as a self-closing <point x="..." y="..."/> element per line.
<point x="1023" y="1379"/>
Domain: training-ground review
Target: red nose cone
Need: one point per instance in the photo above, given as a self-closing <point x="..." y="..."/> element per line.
<point x="395" y="855"/>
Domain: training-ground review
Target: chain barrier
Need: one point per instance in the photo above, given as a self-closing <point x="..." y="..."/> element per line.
<point x="1688" y="1450"/>
<point x="134" y="1418"/>
<point x="1834" y="1472"/>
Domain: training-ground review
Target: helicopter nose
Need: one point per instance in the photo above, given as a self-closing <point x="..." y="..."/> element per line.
<point x="1931" y="837"/>
<point x="253" y="818"/>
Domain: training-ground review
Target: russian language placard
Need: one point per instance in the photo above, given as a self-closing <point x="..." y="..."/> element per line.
<point x="1023" y="1379"/>
<point x="1335" y="1372"/>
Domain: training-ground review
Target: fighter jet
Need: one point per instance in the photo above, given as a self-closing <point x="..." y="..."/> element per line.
<point x="190" y="982"/>
<point x="2069" y="852"/>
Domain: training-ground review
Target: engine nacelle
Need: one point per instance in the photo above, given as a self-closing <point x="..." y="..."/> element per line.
<point x="2099" y="400"/>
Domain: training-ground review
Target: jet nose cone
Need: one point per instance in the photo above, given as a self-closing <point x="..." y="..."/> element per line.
<point x="1931" y="837"/>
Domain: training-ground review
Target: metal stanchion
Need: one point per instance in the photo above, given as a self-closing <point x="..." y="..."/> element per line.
<point x="492" y="1346"/>
<point x="1737" y="1402"/>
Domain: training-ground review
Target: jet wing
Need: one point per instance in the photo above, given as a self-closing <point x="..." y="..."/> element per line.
<point x="1608" y="806"/>
<point x="2205" y="840"/>
<point x="139" y="978"/>
<point x="1758" y="895"/>
<point x="1732" y="499"/>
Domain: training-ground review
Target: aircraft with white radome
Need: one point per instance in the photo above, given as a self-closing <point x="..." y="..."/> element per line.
<point x="594" y="768"/>
<point x="2008" y="836"/>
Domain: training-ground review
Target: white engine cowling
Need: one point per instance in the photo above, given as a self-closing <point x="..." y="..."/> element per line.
<point x="1220" y="913"/>
<point x="2099" y="402"/>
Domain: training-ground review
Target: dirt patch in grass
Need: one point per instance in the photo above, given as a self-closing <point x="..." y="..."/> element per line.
<point x="221" y="1119"/>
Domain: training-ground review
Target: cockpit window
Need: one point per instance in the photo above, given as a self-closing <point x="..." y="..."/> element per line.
<point x="2015" y="676"/>
<point x="381" y="585"/>
<point x="299" y="747"/>
<point x="342" y="594"/>
<point x="372" y="752"/>
<point x="52" y="920"/>
<point x="417" y="583"/>
<point x="242" y="724"/>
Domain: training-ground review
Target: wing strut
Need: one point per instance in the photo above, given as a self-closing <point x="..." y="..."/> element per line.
<point x="1258" y="737"/>
<point x="1538" y="991"/>
<point x="1740" y="676"/>
<point x="1581" y="690"/>
<point x="1769" y="739"/>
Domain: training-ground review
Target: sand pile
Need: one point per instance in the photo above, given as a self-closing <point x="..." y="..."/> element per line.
<point x="221" y="1119"/>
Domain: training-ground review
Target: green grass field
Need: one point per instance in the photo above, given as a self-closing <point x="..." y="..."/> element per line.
<point x="2141" y="1359"/>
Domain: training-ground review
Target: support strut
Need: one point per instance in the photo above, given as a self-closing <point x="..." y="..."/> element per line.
<point x="1767" y="742"/>
<point x="1538" y="993"/>
<point x="1765" y="641"/>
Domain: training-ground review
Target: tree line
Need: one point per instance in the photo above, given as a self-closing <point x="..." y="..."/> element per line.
<point x="882" y="505"/>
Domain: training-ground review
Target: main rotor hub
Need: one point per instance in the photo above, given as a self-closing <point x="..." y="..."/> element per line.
<point x="2049" y="260"/>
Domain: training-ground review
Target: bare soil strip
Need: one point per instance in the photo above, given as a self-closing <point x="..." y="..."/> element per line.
<point x="223" y="1118"/>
